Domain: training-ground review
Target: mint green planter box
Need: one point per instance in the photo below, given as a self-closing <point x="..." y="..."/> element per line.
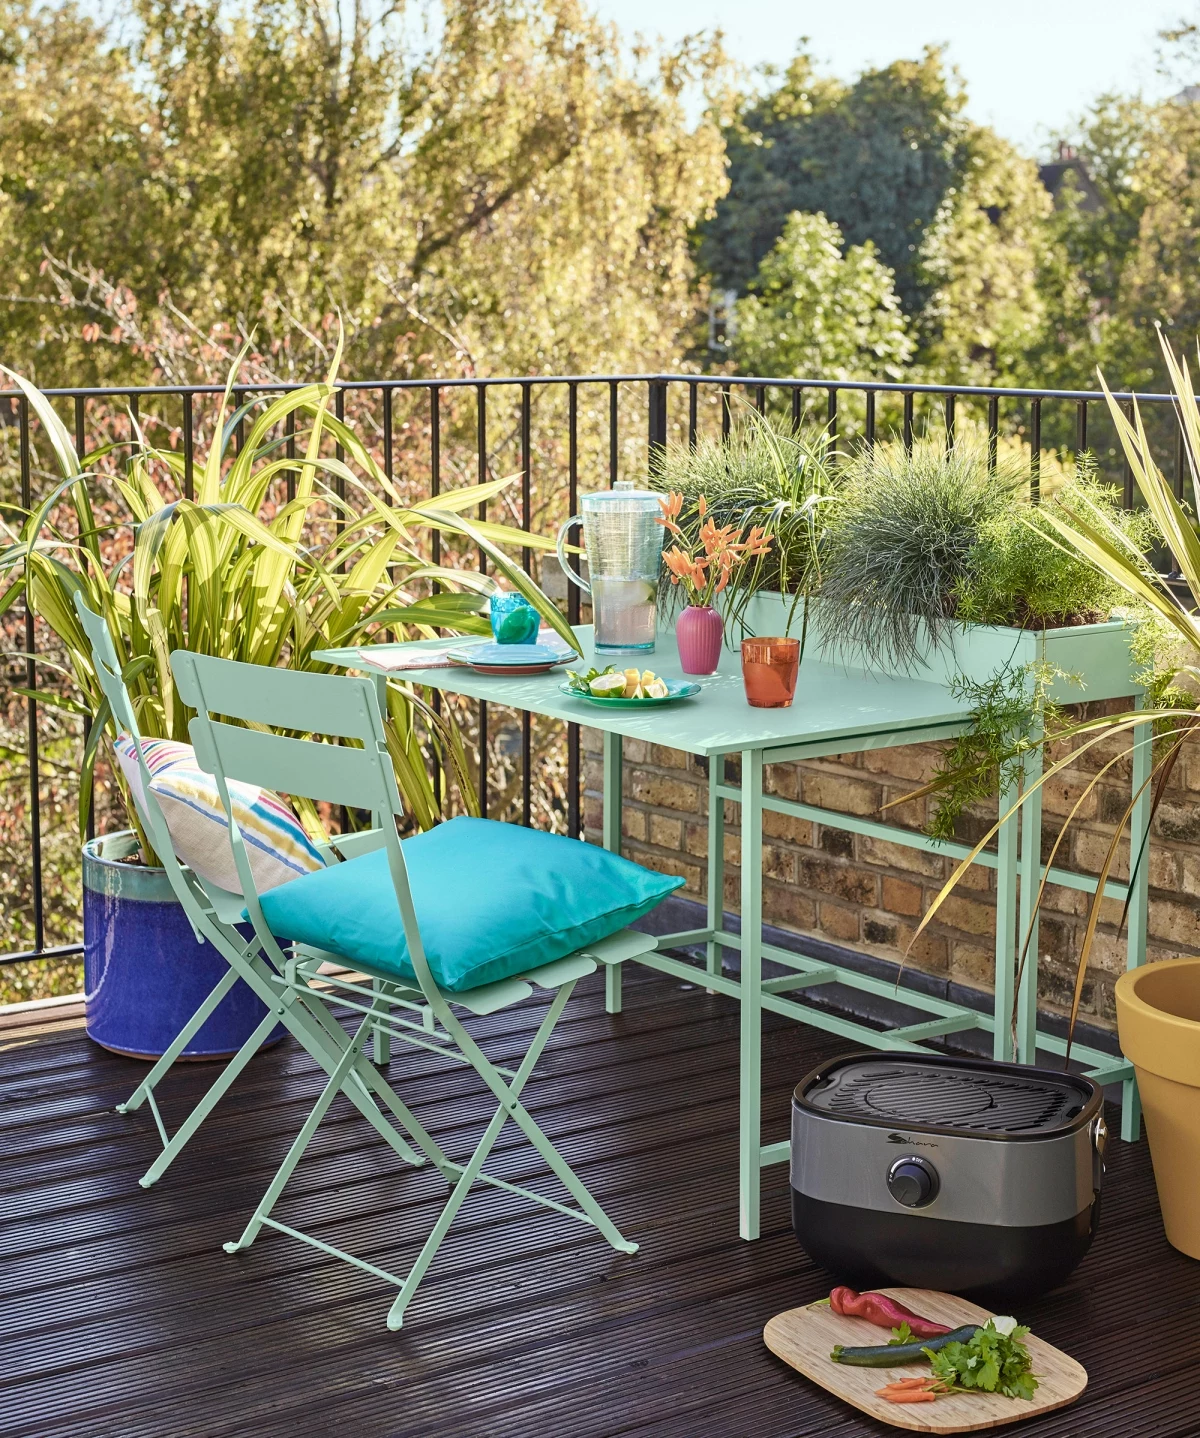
<point x="1097" y="653"/>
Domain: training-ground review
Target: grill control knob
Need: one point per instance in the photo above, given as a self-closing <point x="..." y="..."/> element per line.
<point x="913" y="1182"/>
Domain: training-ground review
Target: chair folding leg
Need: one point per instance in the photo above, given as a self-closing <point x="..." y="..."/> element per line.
<point x="180" y="1138"/>
<point x="466" y="1181"/>
<point x="178" y="1044"/>
<point x="355" y="1076"/>
<point x="331" y="1090"/>
<point x="316" y="1030"/>
<point x="383" y="1040"/>
<point x="366" y="1087"/>
<point x="308" y="1020"/>
<point x="508" y="1095"/>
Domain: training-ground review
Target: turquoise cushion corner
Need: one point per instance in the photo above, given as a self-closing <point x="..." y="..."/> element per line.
<point x="492" y="900"/>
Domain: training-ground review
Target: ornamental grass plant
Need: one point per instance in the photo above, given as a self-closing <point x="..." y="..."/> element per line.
<point x="899" y="545"/>
<point x="921" y="543"/>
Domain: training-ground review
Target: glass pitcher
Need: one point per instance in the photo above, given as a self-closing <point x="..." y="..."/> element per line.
<point x="623" y="540"/>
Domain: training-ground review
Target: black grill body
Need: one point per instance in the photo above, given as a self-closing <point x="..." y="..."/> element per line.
<point x="954" y="1174"/>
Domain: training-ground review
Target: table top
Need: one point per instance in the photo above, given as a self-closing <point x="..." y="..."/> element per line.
<point x="831" y="702"/>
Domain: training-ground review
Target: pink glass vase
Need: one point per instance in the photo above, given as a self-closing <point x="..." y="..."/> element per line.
<point x="698" y="632"/>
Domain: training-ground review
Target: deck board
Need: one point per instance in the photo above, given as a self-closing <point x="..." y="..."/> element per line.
<point x="120" y="1314"/>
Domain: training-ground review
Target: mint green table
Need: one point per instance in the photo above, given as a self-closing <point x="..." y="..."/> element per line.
<point x="836" y="711"/>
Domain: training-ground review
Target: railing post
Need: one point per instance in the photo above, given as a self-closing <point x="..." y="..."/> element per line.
<point x="993" y="433"/>
<point x="656" y="444"/>
<point x="31" y="678"/>
<point x="1126" y="467"/>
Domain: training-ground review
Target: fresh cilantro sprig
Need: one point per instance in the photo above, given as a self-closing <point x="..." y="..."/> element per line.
<point x="993" y="1361"/>
<point x="901" y="1336"/>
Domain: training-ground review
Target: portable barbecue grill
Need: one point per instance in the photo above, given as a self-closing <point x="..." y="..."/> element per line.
<point x="936" y="1172"/>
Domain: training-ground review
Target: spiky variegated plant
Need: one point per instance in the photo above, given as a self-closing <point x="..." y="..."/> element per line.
<point x="209" y="574"/>
<point x="1090" y="530"/>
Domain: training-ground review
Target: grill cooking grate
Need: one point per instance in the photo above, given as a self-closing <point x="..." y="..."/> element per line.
<point x="889" y="1092"/>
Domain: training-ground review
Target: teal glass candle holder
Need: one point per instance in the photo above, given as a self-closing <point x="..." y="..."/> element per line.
<point x="514" y="619"/>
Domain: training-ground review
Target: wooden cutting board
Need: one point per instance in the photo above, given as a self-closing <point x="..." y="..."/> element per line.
<point x="804" y="1338"/>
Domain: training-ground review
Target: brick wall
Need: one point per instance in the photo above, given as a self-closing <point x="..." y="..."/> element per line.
<point x="868" y="895"/>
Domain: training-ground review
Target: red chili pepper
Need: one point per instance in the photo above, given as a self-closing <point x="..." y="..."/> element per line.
<point x="884" y="1312"/>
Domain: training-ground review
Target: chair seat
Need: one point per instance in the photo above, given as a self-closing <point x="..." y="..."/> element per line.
<point x="493" y="901"/>
<point x="488" y="998"/>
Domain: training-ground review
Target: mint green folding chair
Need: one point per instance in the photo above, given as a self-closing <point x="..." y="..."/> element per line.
<point x="358" y="773"/>
<point x="214" y="914"/>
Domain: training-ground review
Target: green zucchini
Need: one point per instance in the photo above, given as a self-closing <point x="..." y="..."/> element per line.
<point x="889" y="1354"/>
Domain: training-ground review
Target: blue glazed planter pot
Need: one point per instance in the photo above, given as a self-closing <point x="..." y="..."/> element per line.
<point x="144" y="973"/>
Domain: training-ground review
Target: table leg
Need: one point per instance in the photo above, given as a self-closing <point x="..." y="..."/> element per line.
<point x="1027" y="931"/>
<point x="383" y="1039"/>
<point x="714" y="951"/>
<point x="611" y="834"/>
<point x="1139" y="899"/>
<point x="1006" y="926"/>
<point x="750" y="987"/>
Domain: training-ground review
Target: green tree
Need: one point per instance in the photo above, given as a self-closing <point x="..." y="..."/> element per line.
<point x="509" y="189"/>
<point x="952" y="210"/>
<point x="78" y="166"/>
<point x="1090" y="239"/>
<point x="814" y="311"/>
<point x="878" y="157"/>
<point x="980" y="263"/>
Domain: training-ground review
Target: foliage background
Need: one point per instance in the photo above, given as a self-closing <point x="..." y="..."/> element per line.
<point x="510" y="187"/>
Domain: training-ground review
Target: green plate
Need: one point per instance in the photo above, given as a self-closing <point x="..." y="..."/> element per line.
<point x="676" y="689"/>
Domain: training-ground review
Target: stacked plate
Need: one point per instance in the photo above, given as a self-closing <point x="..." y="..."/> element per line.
<point x="492" y="658"/>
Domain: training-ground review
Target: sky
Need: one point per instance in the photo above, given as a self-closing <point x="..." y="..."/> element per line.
<point x="1030" y="66"/>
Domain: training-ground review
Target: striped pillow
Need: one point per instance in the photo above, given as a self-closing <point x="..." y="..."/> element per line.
<point x="276" y="845"/>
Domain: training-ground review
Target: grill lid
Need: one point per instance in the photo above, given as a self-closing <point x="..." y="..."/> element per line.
<point x="948" y="1094"/>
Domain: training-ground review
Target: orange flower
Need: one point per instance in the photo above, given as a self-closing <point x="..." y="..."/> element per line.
<point x="671" y="507"/>
<point x="682" y="566"/>
<point x="758" y="541"/>
<point x="685" y="569"/>
<point x="705" y="565"/>
<point x="716" y="540"/>
<point x="727" y="561"/>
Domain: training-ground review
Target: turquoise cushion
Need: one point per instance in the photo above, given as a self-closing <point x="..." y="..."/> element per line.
<point x="492" y="900"/>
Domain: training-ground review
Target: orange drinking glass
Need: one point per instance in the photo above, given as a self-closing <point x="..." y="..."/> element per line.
<point x="769" y="670"/>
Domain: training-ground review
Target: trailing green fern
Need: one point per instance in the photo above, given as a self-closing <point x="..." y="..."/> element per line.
<point x="1008" y="712"/>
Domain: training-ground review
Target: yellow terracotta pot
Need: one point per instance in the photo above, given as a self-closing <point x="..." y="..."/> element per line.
<point x="1158" y="1018"/>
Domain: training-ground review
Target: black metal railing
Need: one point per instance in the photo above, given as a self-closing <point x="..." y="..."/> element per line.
<point x="554" y="430"/>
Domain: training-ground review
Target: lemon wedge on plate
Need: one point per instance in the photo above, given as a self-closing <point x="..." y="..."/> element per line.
<point x="607" y="686"/>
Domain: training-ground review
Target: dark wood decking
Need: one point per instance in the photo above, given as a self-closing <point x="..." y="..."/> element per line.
<point x="120" y="1314"/>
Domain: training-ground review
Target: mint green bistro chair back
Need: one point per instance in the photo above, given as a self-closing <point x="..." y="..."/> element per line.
<point x="107" y="668"/>
<point x="214" y="914"/>
<point x="358" y="773"/>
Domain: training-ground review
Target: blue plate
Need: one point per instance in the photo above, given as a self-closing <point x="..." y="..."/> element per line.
<point x="509" y="656"/>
